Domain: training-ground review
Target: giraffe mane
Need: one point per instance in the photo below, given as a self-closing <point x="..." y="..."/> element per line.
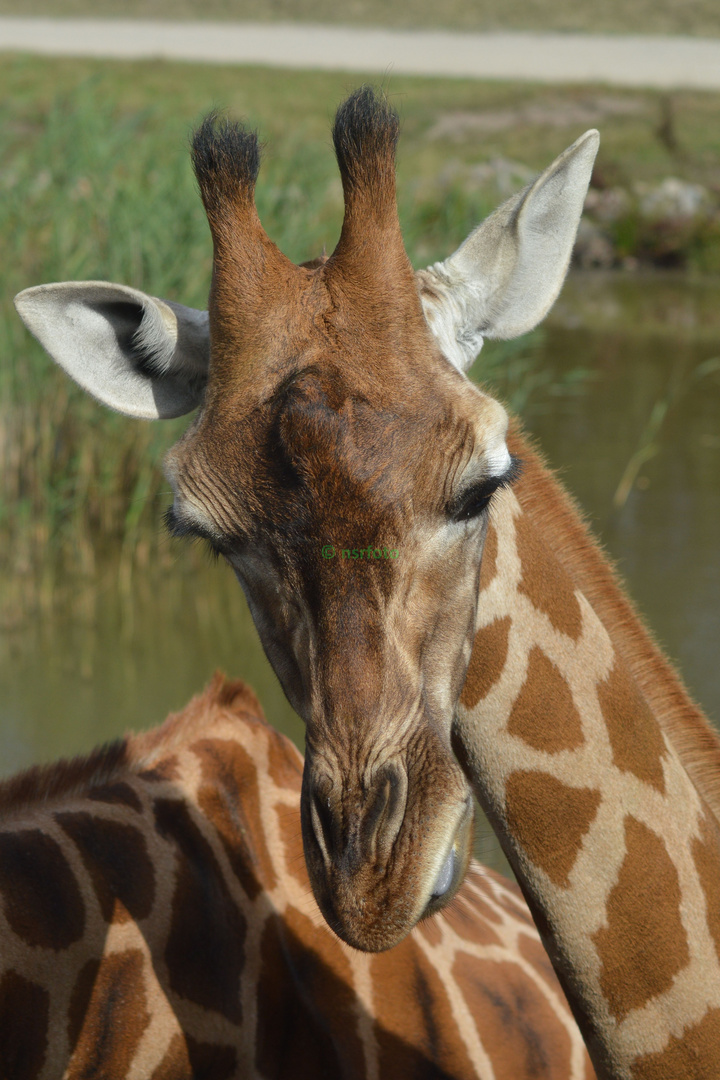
<point x="556" y="514"/>
<point x="131" y="754"/>
<point x="42" y="784"/>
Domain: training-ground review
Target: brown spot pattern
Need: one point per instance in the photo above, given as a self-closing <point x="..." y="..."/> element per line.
<point x="470" y="918"/>
<point x="544" y="714"/>
<point x="549" y="820"/>
<point x="167" y="769"/>
<point x="707" y="863"/>
<point x="535" y="954"/>
<point x="430" y="931"/>
<point x="487" y="661"/>
<point x="284" y="763"/>
<point x="544" y="581"/>
<point x="116" y="858"/>
<point x="119" y="793"/>
<point x="635" y="735"/>
<point x="79" y="999"/>
<point x="115" y="1019"/>
<point x="229" y="798"/>
<point x="418" y="1036"/>
<point x="306" y="1007"/>
<point x="517" y="1025"/>
<point x="480" y="907"/>
<point x="205" y="951"/>
<point x="644" y="945"/>
<point x="209" y="1062"/>
<point x="488" y="568"/>
<point x="24" y="1012"/>
<point x="514" y="903"/>
<point x="176" y="1063"/>
<point x="294" y="858"/>
<point x="694" y="1054"/>
<point x="42" y="901"/>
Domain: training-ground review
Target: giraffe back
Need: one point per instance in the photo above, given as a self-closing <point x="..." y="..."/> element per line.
<point x="156" y="921"/>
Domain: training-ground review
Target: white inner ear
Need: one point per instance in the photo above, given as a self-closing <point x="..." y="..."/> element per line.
<point x="142" y="356"/>
<point x="506" y="276"/>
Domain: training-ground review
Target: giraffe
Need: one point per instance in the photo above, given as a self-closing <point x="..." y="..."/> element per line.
<point x="334" y="404"/>
<point x="156" y="920"/>
<point x="342" y="414"/>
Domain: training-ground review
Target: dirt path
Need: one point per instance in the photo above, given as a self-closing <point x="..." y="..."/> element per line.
<point x="661" y="62"/>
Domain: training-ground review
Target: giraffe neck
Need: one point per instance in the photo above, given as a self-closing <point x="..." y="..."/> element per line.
<point x="156" y="921"/>
<point x="573" y="729"/>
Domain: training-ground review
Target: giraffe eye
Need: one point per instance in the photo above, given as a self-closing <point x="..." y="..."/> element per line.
<point x="473" y="504"/>
<point x="475" y="499"/>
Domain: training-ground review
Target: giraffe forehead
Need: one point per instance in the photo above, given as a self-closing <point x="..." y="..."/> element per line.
<point x="326" y="446"/>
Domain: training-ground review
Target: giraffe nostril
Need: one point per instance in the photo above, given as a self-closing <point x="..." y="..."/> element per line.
<point x="385" y="811"/>
<point x="322" y="822"/>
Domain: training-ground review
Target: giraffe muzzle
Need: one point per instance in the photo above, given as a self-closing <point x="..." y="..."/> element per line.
<point x="378" y="856"/>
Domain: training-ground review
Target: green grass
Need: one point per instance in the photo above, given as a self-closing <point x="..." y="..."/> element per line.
<point x="697" y="17"/>
<point x="95" y="182"/>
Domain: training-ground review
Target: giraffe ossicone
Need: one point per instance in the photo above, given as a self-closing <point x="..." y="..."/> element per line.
<point x="332" y="396"/>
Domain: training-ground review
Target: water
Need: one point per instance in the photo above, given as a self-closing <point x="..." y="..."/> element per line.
<point x="637" y="439"/>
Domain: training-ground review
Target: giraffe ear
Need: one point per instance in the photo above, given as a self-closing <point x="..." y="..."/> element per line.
<point x="141" y="356"/>
<point x="506" y="276"/>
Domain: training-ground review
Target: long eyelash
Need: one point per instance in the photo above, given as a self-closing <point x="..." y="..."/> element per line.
<point x="183" y="531"/>
<point x="514" y="472"/>
<point x="212" y="552"/>
<point x="478" y="498"/>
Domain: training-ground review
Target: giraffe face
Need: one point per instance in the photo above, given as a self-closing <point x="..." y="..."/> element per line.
<point x="371" y="644"/>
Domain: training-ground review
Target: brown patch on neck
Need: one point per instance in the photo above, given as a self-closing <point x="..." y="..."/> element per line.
<point x="488" y="569"/>
<point x="706" y="856"/>
<point x="24" y="1027"/>
<point x="692" y="1054"/>
<point x="118" y="992"/>
<point x="548" y="820"/>
<point x="544" y="714"/>
<point x="635" y="736"/>
<point x="644" y="945"/>
<point x="487" y="661"/>
<point x="559" y="522"/>
<point x="544" y="582"/>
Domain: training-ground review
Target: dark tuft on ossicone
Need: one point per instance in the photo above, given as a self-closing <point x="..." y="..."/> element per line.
<point x="365" y="135"/>
<point x="226" y="160"/>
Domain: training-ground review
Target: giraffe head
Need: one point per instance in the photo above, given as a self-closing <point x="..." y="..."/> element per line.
<point x="334" y="415"/>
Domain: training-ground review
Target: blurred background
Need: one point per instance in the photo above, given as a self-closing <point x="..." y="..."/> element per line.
<point x="105" y="623"/>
